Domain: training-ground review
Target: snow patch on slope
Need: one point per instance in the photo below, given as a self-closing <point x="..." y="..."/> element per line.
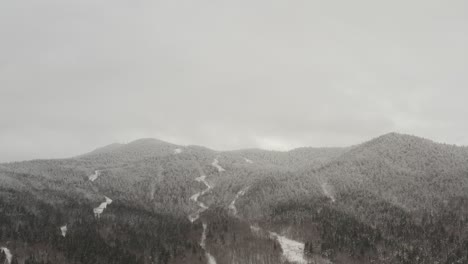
<point x="177" y="151"/>
<point x="232" y="205"/>
<point x="7" y="253"/>
<point x="211" y="259"/>
<point x="216" y="165"/>
<point x="248" y="161"/>
<point x="100" y="209"/>
<point x="293" y="251"/>
<point x="94" y="176"/>
<point x="64" y="230"/>
<point x="328" y="191"/>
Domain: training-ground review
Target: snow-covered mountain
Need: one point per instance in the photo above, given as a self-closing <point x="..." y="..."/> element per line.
<point x="393" y="199"/>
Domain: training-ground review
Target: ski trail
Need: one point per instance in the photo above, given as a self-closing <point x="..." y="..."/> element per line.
<point x="94" y="176"/>
<point x="216" y="165"/>
<point x="7" y="253"/>
<point x="248" y="161"/>
<point x="210" y="258"/>
<point x="64" y="230"/>
<point x="193" y="217"/>
<point x="232" y="206"/>
<point x="100" y="209"/>
<point x="293" y="251"/>
<point x="328" y="191"/>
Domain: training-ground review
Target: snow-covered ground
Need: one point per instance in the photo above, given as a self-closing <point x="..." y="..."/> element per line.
<point x="248" y="161"/>
<point x="293" y="251"/>
<point x="177" y="151"/>
<point x="7" y="253"/>
<point x="232" y="206"/>
<point x="216" y="165"/>
<point x="194" y="217"/>
<point x="64" y="230"/>
<point x="94" y="176"/>
<point x="328" y="191"/>
<point x="211" y="259"/>
<point x="98" y="210"/>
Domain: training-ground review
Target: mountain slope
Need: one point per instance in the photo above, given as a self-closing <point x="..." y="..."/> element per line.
<point x="393" y="199"/>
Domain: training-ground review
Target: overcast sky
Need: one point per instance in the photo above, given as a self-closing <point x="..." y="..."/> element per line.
<point x="79" y="74"/>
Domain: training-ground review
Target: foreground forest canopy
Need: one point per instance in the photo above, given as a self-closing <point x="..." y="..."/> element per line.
<point x="393" y="199"/>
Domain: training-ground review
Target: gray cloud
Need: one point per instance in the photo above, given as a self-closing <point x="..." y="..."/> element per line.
<point x="75" y="75"/>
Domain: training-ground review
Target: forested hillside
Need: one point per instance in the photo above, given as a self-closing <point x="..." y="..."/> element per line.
<point x="393" y="199"/>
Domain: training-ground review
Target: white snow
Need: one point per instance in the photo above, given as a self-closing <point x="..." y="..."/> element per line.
<point x="293" y="250"/>
<point x="108" y="200"/>
<point x="177" y="151"/>
<point x="232" y="206"/>
<point x="216" y="165"/>
<point x="7" y="253"/>
<point x="100" y="209"/>
<point x="64" y="230"/>
<point x="195" y="197"/>
<point x="211" y="259"/>
<point x="203" y="180"/>
<point x="193" y="217"/>
<point x="248" y="161"/>
<point x="94" y="176"/>
<point x="328" y="191"/>
<point x="255" y="229"/>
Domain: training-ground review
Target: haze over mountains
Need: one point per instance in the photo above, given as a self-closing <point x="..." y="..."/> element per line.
<point x="393" y="199"/>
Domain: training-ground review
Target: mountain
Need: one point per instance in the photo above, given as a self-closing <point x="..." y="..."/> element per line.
<point x="115" y="154"/>
<point x="393" y="199"/>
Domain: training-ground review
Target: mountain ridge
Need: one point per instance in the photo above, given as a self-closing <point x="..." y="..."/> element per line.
<point x="396" y="194"/>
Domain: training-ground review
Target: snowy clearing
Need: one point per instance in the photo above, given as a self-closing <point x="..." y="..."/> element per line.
<point x="293" y="251"/>
<point x="216" y="165"/>
<point x="7" y="253"/>
<point x="64" y="230"/>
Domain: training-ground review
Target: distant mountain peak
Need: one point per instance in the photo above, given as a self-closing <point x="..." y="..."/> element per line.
<point x="397" y="138"/>
<point x="148" y="141"/>
<point x="143" y="146"/>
